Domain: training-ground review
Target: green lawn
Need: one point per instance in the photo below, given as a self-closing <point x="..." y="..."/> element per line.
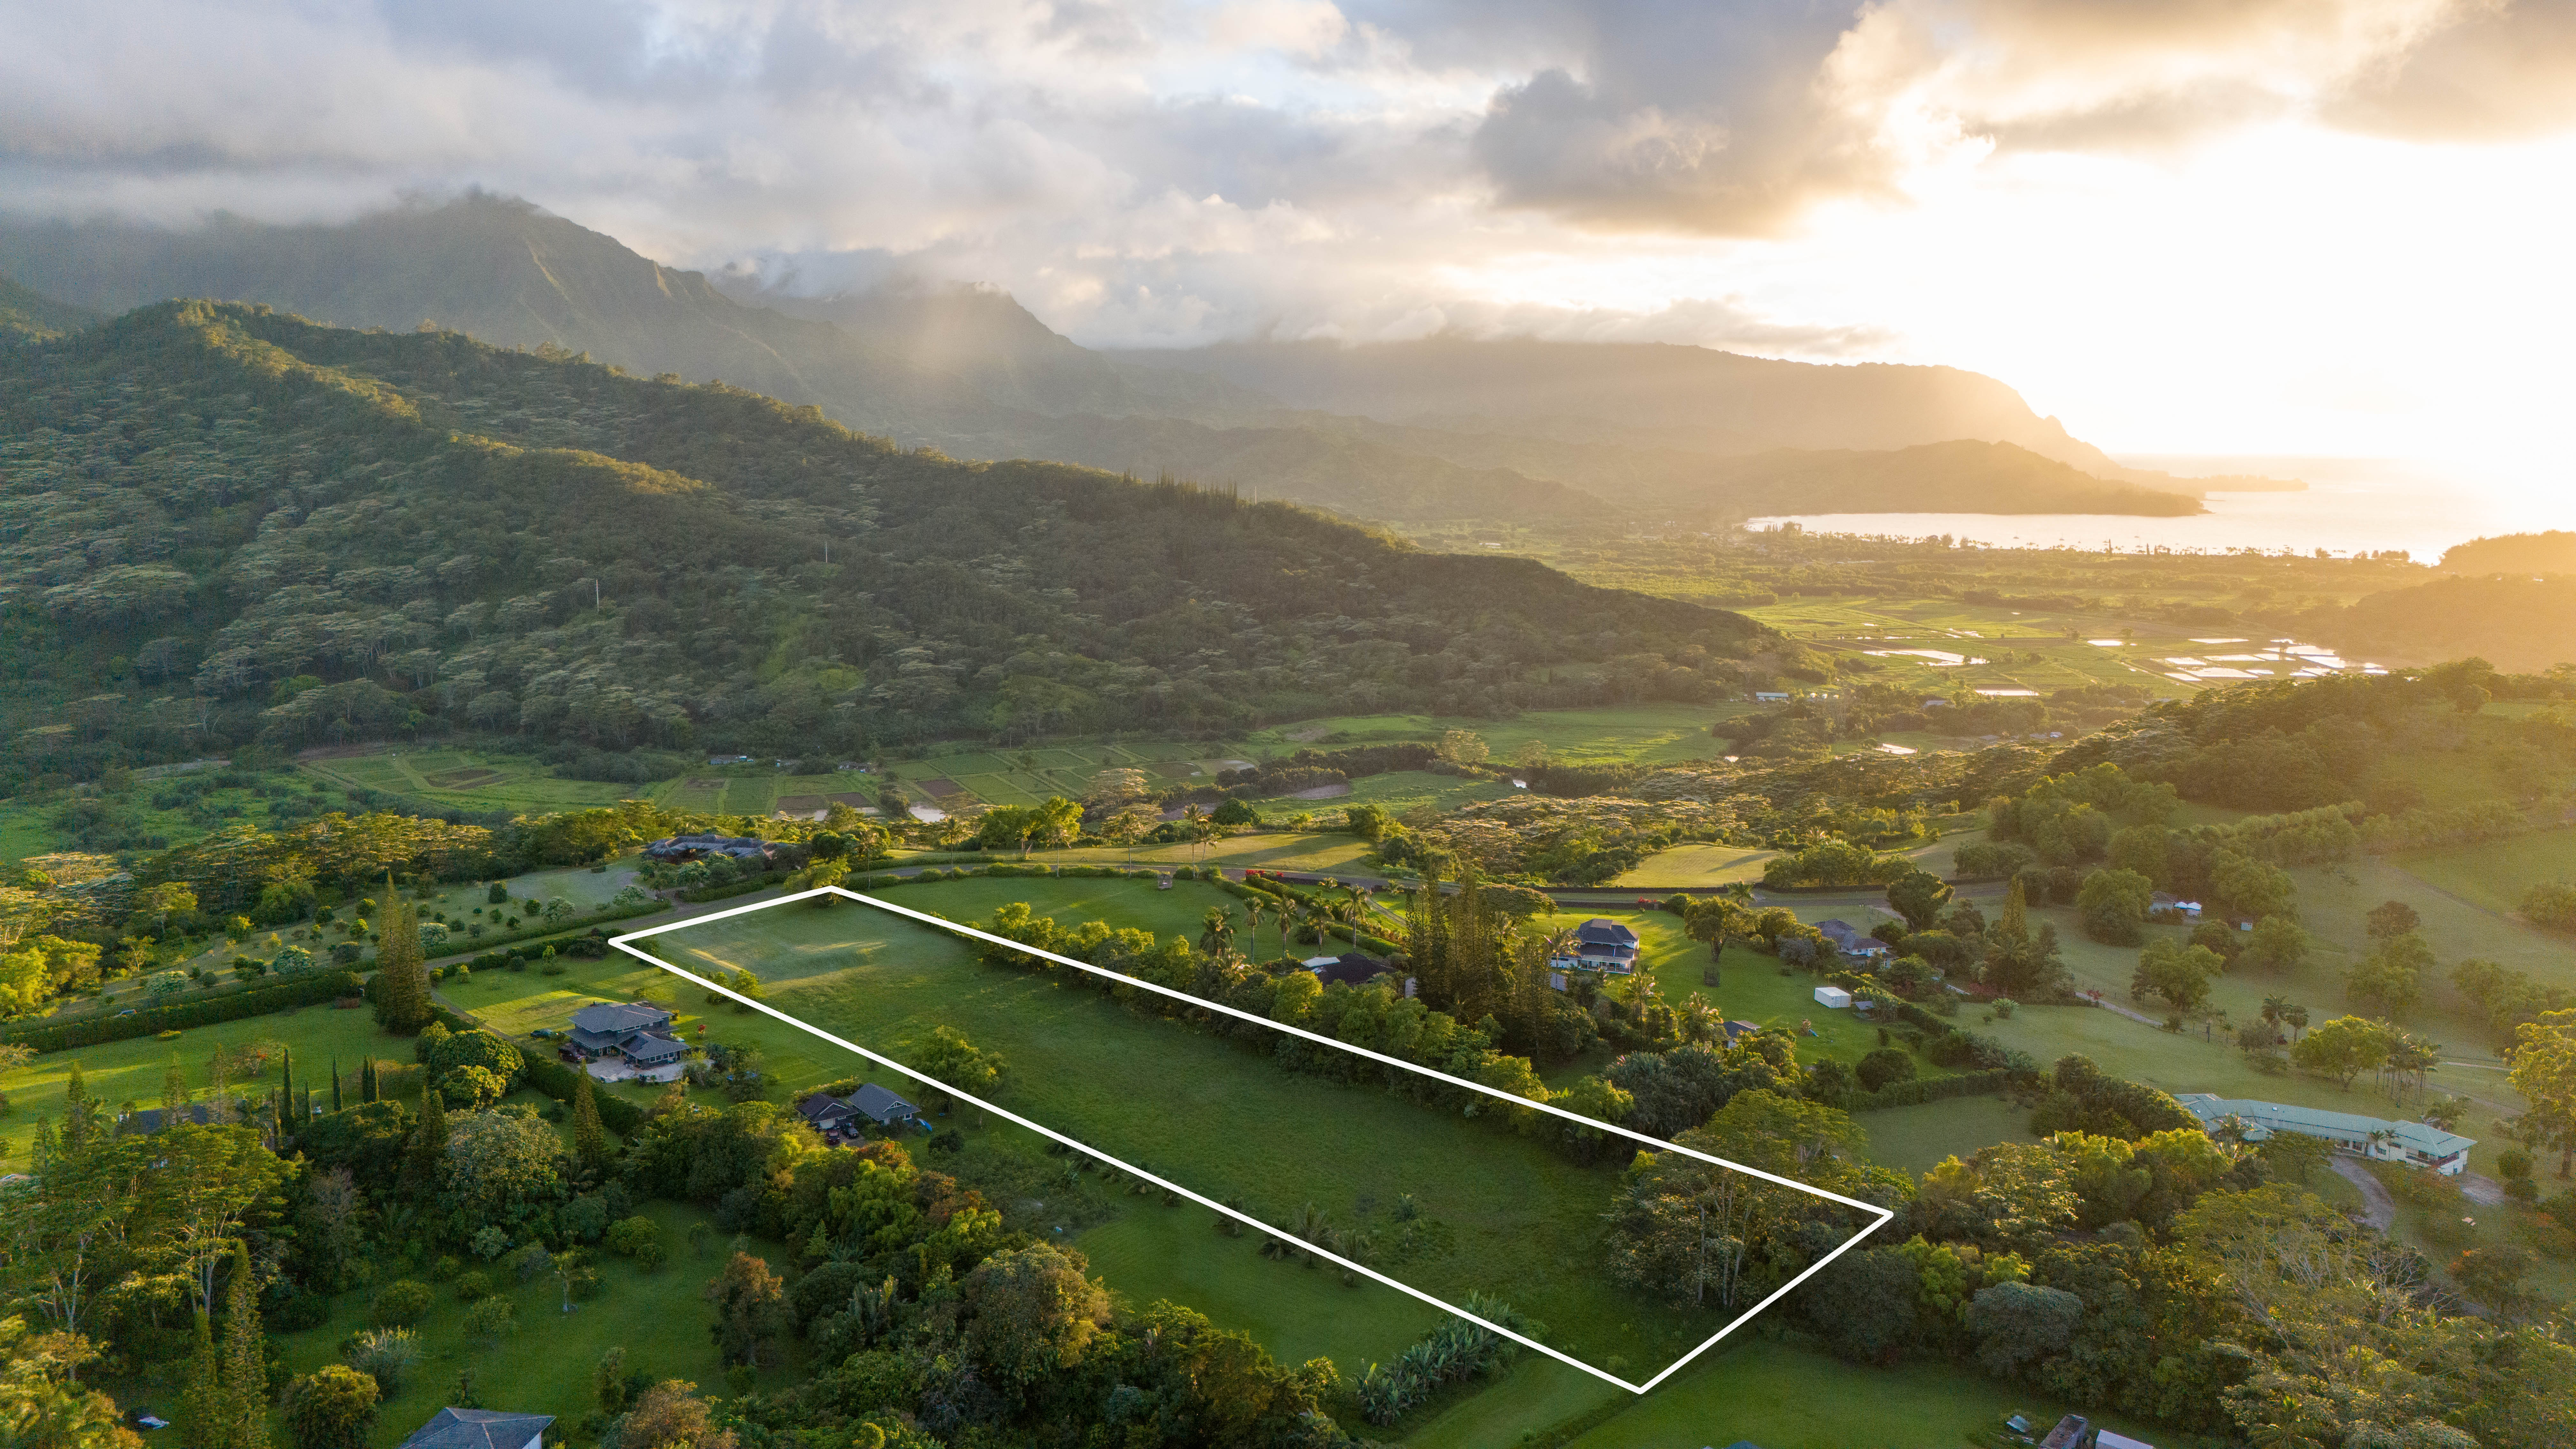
<point x="1151" y="1251"/>
<point x="1691" y="865"/>
<point x="1768" y="1390"/>
<point x="2495" y="875"/>
<point x="464" y="779"/>
<point x="1280" y="849"/>
<point x="660" y="1318"/>
<point x="1213" y="1115"/>
<point x="126" y="1071"/>
<point x="1918" y="1138"/>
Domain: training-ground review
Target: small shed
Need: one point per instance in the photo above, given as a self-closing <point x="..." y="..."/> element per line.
<point x="1832" y="996"/>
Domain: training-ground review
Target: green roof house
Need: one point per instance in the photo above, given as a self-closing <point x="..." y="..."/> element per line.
<point x="2417" y="1144"/>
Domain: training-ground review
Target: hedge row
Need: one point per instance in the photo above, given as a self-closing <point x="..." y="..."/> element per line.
<point x="550" y="1076"/>
<point x="479" y="944"/>
<point x="700" y="895"/>
<point x="152" y="1021"/>
<point x="1915" y="1091"/>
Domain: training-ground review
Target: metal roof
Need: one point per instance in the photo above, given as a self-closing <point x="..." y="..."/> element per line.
<point x="618" y="1018"/>
<point x="477" y="1429"/>
<point x="2421" y="1138"/>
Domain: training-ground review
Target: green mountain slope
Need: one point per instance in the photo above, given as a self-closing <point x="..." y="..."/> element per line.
<point x="227" y="524"/>
<point x="1444" y="429"/>
<point x="31" y="316"/>
<point x="2515" y="622"/>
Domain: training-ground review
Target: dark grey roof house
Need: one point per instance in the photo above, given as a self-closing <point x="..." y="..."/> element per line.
<point x="1601" y="944"/>
<point x="150" y="1119"/>
<point x="1351" y="968"/>
<point x="826" y="1114"/>
<point x="883" y="1107"/>
<point x="698" y="847"/>
<point x="1851" y="941"/>
<point x="479" y="1429"/>
<point x="603" y="1027"/>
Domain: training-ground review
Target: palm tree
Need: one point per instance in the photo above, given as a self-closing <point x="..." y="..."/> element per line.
<point x="1253" y="914"/>
<point x="1217" y="930"/>
<point x="1311" y="1225"/>
<point x="1700" y="1018"/>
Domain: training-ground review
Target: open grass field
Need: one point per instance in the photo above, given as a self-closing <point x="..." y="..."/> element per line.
<point x="2496" y="874"/>
<point x="660" y="1318"/>
<point x="462" y="779"/>
<point x="1770" y="1391"/>
<point x="1216" y="1115"/>
<point x="1917" y="1139"/>
<point x="1281" y="849"/>
<point x="2022" y="651"/>
<point x="1651" y="732"/>
<point x="131" y="1071"/>
<point x="1151" y="1251"/>
<point x="1398" y="792"/>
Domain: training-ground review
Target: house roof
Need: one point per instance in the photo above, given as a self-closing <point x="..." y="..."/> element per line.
<point x="477" y="1429"/>
<point x="881" y="1105"/>
<point x="199" y="1113"/>
<point x="2417" y="1137"/>
<point x="619" y="1018"/>
<point x="820" y="1108"/>
<point x="1348" y="969"/>
<point x="645" y="1046"/>
<point x="1602" y="931"/>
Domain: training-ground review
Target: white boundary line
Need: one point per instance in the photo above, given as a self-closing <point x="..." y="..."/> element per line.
<point x="1881" y="1215"/>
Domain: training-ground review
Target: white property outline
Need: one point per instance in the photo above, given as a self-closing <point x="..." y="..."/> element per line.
<point x="1882" y="1215"/>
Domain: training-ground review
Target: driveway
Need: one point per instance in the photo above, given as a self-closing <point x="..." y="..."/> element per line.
<point x="2381" y="1209"/>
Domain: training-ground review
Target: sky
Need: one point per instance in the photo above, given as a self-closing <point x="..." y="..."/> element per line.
<point x="2321" y="227"/>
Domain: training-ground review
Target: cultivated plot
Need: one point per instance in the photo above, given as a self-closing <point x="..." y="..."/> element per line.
<point x="1374" y="1147"/>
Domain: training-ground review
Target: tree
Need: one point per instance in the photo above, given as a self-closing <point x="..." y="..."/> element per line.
<point x="331" y="1408"/>
<point x="2276" y="944"/>
<point x="243" y="1375"/>
<point x="42" y="1403"/>
<point x="1462" y="747"/>
<point x="2390" y="980"/>
<point x="1216" y="933"/>
<point x="2343" y="1049"/>
<point x="402" y="972"/>
<point x="670" y="1416"/>
<point x="1885" y="1065"/>
<point x="1862" y="1307"/>
<point x="2391" y="918"/>
<point x="589" y="1137"/>
<point x="1032" y="1313"/>
<point x="2544" y="1072"/>
<point x="2180" y="974"/>
<point x="2114" y="905"/>
<point x="425" y="1158"/>
<point x="188" y="1218"/>
<point x="958" y="1065"/>
<point x="2017" y="1324"/>
<point x="751" y="1308"/>
<point x="1918" y="896"/>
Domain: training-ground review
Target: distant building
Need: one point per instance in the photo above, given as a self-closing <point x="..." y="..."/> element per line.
<point x="153" y="1119"/>
<point x="2165" y="906"/>
<point x="1770" y="696"/>
<point x="1852" y="941"/>
<point x="2076" y="1432"/>
<point x="698" y="847"/>
<point x="827" y="1115"/>
<point x="1602" y="945"/>
<point x="728" y="759"/>
<point x="479" y="1429"/>
<point x="2417" y="1144"/>
<point x="1738" y="1030"/>
<point x="1833" y="997"/>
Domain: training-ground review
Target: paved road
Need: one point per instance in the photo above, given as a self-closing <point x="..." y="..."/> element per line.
<point x="2381" y="1209"/>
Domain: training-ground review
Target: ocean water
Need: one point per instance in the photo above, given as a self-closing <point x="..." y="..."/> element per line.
<point x="2370" y="513"/>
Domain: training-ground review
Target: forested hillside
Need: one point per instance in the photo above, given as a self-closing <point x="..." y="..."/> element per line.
<point x="222" y="524"/>
<point x="1497" y="430"/>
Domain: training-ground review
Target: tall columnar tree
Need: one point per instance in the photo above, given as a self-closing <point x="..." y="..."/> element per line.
<point x="286" y="1080"/>
<point x="335" y="1082"/>
<point x="402" y="972"/>
<point x="243" y="1373"/>
<point x="80" y="1113"/>
<point x="367" y="1086"/>
<point x="428" y="1147"/>
<point x="589" y="1138"/>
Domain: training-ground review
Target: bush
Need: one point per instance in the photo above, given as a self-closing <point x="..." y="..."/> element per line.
<point x="387" y="1355"/>
<point x="630" y="1236"/>
<point x="154" y="1021"/>
<point x="1916" y="1091"/>
<point x="470" y="1286"/>
<point x="331" y="1408"/>
<point x="1885" y="1066"/>
<point x="399" y="1304"/>
<point x="486" y="1322"/>
<point x="2552" y="906"/>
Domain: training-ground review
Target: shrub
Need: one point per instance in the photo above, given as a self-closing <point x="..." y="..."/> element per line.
<point x="1884" y="1066"/>
<point x="470" y="1286"/>
<point x="399" y="1304"/>
<point x="2552" y="905"/>
<point x="387" y="1355"/>
<point x="487" y="1321"/>
<point x="331" y="1408"/>
<point x="630" y="1236"/>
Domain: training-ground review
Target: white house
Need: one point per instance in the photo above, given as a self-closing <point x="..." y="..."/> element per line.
<point x="479" y="1429"/>
<point x="1832" y="996"/>
<point x="1601" y="945"/>
<point x="2417" y="1144"/>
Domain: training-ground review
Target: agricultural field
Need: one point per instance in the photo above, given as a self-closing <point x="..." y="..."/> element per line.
<point x="1524" y="1222"/>
<point x="1655" y="733"/>
<point x="458" y="779"/>
<point x="660" y="1318"/>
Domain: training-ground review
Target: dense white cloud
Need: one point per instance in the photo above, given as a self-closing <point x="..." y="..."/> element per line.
<point x="1165" y="172"/>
